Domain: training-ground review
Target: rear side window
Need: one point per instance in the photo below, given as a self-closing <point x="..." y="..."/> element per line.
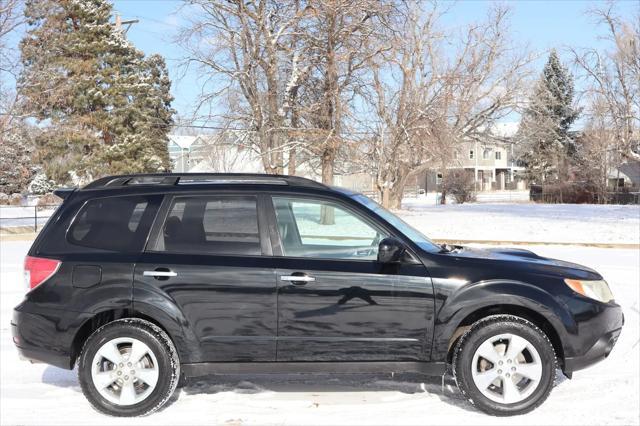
<point x="225" y="225"/>
<point x="115" y="223"/>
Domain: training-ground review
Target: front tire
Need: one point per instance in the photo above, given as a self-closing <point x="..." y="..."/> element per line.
<point x="128" y="367"/>
<point x="505" y="365"/>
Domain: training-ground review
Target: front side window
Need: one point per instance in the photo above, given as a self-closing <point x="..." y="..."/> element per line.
<point x="323" y="229"/>
<point x="498" y="155"/>
<point x="114" y="223"/>
<point x="470" y="154"/>
<point x="222" y="225"/>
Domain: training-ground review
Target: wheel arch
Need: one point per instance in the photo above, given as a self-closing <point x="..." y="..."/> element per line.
<point x="478" y="300"/>
<point x="104" y="317"/>
<point x="505" y="309"/>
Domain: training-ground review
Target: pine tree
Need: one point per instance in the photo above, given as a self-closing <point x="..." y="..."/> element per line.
<point x="546" y="144"/>
<point x="16" y="165"/>
<point x="105" y="108"/>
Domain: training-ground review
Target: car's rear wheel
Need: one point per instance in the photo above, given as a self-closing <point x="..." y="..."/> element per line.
<point x="128" y="367"/>
<point x="505" y="365"/>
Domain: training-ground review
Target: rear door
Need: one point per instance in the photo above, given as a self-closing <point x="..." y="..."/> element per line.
<point x="208" y="256"/>
<point x="335" y="301"/>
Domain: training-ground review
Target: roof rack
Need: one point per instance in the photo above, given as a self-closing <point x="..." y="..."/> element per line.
<point x="155" y="179"/>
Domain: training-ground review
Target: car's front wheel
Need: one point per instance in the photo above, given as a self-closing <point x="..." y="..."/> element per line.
<point x="128" y="367"/>
<point x="505" y="365"/>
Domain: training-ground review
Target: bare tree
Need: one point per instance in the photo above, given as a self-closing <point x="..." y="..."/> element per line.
<point x="343" y="35"/>
<point x="442" y="95"/>
<point x="11" y="19"/>
<point x="596" y="153"/>
<point x="248" y="53"/>
<point x="613" y="78"/>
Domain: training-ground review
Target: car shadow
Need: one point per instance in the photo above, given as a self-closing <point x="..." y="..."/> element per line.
<point x="408" y="383"/>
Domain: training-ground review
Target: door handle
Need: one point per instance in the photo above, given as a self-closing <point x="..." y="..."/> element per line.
<point x="160" y="274"/>
<point x="297" y="278"/>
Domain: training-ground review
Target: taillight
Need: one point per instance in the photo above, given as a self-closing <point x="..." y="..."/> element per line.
<point x="38" y="269"/>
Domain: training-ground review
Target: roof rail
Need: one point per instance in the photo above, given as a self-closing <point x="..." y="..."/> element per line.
<point x="201" y="179"/>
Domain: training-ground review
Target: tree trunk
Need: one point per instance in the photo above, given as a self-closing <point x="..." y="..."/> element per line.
<point x="291" y="166"/>
<point x="327" y="216"/>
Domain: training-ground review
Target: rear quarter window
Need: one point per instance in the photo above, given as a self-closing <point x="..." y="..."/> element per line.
<point x="114" y="223"/>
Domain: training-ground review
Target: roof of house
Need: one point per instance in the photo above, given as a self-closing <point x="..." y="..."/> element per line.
<point x="183" y="141"/>
<point x="630" y="170"/>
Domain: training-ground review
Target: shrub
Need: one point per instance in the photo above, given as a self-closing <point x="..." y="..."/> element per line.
<point x="460" y="185"/>
<point x="48" y="199"/>
<point x="15" y="199"/>
<point x="41" y="185"/>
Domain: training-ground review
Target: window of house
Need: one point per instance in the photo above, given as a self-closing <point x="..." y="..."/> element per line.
<point x="455" y="155"/>
<point x="225" y="225"/>
<point x="485" y="153"/>
<point x="322" y="229"/>
<point x="439" y="178"/>
<point x="498" y="155"/>
<point x="470" y="154"/>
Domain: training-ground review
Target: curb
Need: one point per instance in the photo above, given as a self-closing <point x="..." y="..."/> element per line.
<point x="539" y="243"/>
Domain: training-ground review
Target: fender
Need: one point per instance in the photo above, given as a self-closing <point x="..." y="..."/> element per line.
<point x="477" y="296"/>
<point x="157" y="305"/>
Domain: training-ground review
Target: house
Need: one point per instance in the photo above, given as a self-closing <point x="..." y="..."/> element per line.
<point x="626" y="175"/>
<point x="220" y="153"/>
<point x="179" y="147"/>
<point x="491" y="162"/>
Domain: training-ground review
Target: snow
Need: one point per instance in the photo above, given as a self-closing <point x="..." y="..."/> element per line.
<point x="528" y="222"/>
<point x="607" y="393"/>
<point x="11" y="216"/>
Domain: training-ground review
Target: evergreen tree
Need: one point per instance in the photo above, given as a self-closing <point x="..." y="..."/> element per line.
<point x="105" y="108"/>
<point x="546" y="144"/>
<point x="16" y="165"/>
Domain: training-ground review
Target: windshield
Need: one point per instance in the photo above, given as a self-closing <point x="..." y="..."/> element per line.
<point x="410" y="232"/>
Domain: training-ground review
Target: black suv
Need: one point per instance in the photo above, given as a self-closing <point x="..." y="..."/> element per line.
<point x="142" y="280"/>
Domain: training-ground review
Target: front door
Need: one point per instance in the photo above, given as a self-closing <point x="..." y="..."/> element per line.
<point x="335" y="301"/>
<point x="209" y="259"/>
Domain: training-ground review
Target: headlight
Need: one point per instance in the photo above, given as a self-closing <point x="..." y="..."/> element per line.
<point x="598" y="290"/>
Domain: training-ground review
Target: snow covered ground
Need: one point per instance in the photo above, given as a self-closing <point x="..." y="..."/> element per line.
<point x="11" y="216"/>
<point x="607" y="393"/>
<point x="561" y="223"/>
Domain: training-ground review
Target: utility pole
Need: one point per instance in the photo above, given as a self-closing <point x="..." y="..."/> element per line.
<point x="119" y="23"/>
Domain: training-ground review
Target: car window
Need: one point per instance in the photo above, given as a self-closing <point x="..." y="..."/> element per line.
<point x="211" y="225"/>
<point x="114" y="223"/>
<point x="323" y="229"/>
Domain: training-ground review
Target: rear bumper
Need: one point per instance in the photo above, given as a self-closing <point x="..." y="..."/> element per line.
<point x="38" y="339"/>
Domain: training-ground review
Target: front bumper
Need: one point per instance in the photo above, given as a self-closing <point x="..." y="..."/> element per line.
<point x="599" y="351"/>
<point x="597" y="337"/>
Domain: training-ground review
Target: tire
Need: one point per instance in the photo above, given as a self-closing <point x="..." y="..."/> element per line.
<point x="126" y="387"/>
<point x="522" y="380"/>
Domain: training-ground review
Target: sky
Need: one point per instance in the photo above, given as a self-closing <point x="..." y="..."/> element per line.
<point x="543" y="24"/>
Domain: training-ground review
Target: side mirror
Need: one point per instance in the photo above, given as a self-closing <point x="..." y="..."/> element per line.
<point x="390" y="250"/>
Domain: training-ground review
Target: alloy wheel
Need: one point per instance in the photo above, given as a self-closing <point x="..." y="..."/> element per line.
<point x="506" y="368"/>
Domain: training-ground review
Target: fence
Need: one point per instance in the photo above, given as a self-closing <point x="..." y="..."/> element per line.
<point x="24" y="219"/>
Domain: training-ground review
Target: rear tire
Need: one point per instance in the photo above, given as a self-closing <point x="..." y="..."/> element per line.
<point x="119" y="385"/>
<point x="505" y="365"/>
